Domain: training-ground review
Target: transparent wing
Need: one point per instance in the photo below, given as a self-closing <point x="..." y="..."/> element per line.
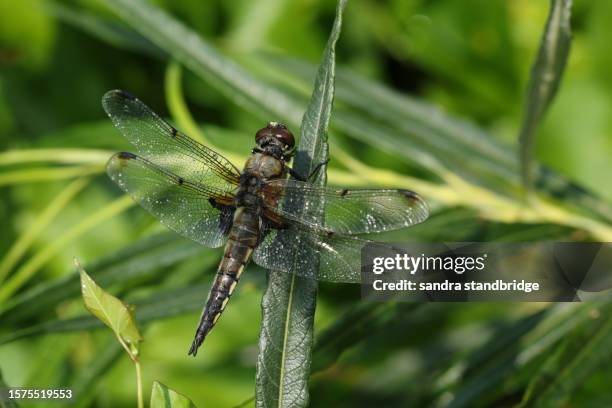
<point x="300" y="249"/>
<point x="160" y="143"/>
<point x="181" y="205"/>
<point x="346" y="211"/>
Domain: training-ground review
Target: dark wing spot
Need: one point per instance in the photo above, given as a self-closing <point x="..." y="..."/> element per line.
<point x="343" y="192"/>
<point x="180" y="180"/>
<point x="174" y="132"/>
<point x="126" y="156"/>
<point x="126" y="94"/>
<point x="410" y="195"/>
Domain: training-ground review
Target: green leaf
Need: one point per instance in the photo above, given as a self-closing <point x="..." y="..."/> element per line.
<point x="288" y="305"/>
<point x="164" y="397"/>
<point x="107" y="31"/>
<point x="355" y="326"/>
<point x="109" y="309"/>
<point x="190" y="50"/>
<point x="526" y="341"/>
<point x="582" y="352"/>
<point x="545" y="78"/>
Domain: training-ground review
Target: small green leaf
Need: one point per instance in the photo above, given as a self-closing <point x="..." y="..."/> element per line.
<point x="545" y="78"/>
<point x="164" y="397"/>
<point x="109" y="309"/>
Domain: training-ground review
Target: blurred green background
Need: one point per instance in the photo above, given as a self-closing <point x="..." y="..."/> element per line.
<point x="471" y="59"/>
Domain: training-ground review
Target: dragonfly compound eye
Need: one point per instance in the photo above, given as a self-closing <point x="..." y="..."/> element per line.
<point x="277" y="131"/>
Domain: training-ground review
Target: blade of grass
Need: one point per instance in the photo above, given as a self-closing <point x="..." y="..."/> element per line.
<point x="581" y="353"/>
<point x="24" y="242"/>
<point x="160" y="305"/>
<point x="288" y="304"/>
<point x="254" y="24"/>
<point x="177" y="106"/>
<point x="148" y="259"/>
<point x="62" y="156"/>
<point x="545" y="78"/>
<point x="182" y="116"/>
<point x="355" y="326"/>
<point x="33" y="265"/>
<point x="188" y="48"/>
<point x="47" y="174"/>
<point x="472" y="383"/>
<point x="108" y="31"/>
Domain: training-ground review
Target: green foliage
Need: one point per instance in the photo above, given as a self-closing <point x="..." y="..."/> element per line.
<point x="118" y="317"/>
<point x="545" y="78"/>
<point x="164" y="397"/>
<point x="110" y="310"/>
<point x="409" y="74"/>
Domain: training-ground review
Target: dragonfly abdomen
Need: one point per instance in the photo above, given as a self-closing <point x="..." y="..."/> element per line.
<point x="242" y="240"/>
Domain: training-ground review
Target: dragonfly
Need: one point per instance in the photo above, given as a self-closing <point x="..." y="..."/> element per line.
<point x="283" y="224"/>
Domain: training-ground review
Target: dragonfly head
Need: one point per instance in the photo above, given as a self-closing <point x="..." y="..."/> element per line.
<point x="276" y="140"/>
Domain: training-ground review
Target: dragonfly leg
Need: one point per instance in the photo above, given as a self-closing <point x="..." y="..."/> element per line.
<point x="312" y="174"/>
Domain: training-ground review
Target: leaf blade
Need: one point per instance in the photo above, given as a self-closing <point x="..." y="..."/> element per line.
<point x="545" y="78"/>
<point x="164" y="397"/>
<point x="110" y="310"/>
<point x="288" y="305"/>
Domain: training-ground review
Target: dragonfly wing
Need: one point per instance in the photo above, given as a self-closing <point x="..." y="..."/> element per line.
<point x="346" y="211"/>
<point x="162" y="144"/>
<point x="315" y="254"/>
<point x="183" y="206"/>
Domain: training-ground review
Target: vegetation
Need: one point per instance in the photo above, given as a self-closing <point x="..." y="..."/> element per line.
<point x="472" y="104"/>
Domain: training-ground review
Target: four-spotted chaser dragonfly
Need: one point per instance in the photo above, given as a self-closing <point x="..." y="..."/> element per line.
<point x="258" y="213"/>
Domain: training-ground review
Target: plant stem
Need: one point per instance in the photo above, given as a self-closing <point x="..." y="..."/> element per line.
<point x="139" y="383"/>
<point x="136" y="362"/>
<point x="177" y="105"/>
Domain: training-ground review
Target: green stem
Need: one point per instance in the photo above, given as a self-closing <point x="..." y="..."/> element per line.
<point x="63" y="156"/>
<point x="177" y="106"/>
<point x="136" y="362"/>
<point x="48" y="174"/>
<point x="139" y="383"/>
